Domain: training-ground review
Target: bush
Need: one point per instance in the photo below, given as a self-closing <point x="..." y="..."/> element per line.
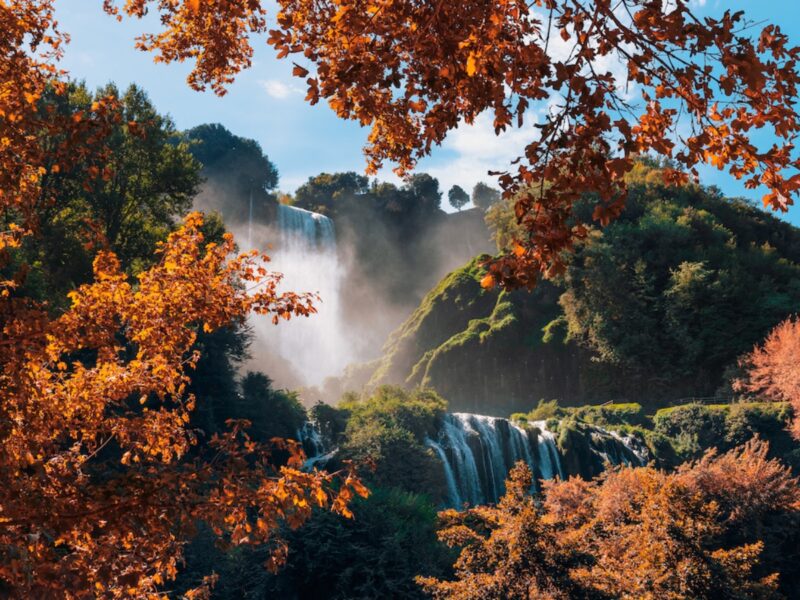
<point x="390" y="540"/>
<point x="386" y="432"/>
<point x="417" y="411"/>
<point x="543" y="411"/>
<point x="608" y="415"/>
<point x="694" y="428"/>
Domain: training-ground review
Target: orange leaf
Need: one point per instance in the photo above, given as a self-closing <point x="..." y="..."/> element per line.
<point x="472" y="65"/>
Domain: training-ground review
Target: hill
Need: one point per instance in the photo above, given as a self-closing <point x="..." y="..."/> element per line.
<point x="654" y="308"/>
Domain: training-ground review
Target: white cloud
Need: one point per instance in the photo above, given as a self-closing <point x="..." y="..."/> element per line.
<point x="479" y="150"/>
<point x="278" y="89"/>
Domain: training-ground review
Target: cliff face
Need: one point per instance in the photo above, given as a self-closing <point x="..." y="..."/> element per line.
<point x="486" y="350"/>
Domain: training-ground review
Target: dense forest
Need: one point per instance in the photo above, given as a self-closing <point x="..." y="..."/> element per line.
<point x="577" y="380"/>
<point x="656" y="308"/>
<point x="651" y="312"/>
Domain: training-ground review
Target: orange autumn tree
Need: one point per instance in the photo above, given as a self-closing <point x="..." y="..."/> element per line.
<point x="773" y="368"/>
<point x="633" y="533"/>
<point x="102" y="481"/>
<point x="100" y="486"/>
<point x="620" y="77"/>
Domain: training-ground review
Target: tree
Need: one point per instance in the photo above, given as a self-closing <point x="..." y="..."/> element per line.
<point x="424" y="190"/>
<point x="773" y="368"/>
<point x="508" y="552"/>
<point x="240" y="179"/>
<point x="323" y="192"/>
<point x="484" y="196"/>
<point x="685" y="270"/>
<point x="273" y="413"/>
<point x="451" y="62"/>
<point x="127" y="205"/>
<point x="387" y="431"/>
<point x="699" y="532"/>
<point x="220" y="151"/>
<point x="376" y="554"/>
<point x="99" y="487"/>
<point x="457" y="197"/>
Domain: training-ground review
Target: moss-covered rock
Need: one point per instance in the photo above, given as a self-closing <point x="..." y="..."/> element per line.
<point x="484" y="350"/>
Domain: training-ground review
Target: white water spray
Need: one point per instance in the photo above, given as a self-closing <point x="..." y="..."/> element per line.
<point x="304" y="250"/>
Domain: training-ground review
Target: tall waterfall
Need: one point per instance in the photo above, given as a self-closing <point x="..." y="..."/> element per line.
<point x="304" y="230"/>
<point x="304" y="250"/>
<point x="477" y="452"/>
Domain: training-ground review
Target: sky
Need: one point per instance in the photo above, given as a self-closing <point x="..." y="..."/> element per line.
<point x="266" y="102"/>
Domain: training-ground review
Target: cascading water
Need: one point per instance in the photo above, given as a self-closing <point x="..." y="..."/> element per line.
<point x="313" y="445"/>
<point x="305" y="252"/>
<point x="478" y="451"/>
<point x="303" y="230"/>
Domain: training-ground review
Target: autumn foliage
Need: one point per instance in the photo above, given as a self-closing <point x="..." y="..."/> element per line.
<point x="773" y="368"/>
<point x="633" y="533"/>
<point x="102" y="481"/>
<point x="413" y="71"/>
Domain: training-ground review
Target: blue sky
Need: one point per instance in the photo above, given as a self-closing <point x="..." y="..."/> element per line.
<point x="266" y="102"/>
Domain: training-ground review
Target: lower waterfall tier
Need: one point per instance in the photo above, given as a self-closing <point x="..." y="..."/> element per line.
<point x="477" y="452"/>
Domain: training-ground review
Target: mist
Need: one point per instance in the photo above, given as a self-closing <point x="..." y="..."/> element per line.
<point x="360" y="301"/>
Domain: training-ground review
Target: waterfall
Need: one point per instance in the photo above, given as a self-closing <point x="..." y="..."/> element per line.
<point x="478" y="451"/>
<point x="304" y="230"/>
<point x="313" y="445"/>
<point x="304" y="251"/>
<point x="549" y="464"/>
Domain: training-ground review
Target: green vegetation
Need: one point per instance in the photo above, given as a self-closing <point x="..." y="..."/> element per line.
<point x="237" y="172"/>
<point x="391" y="537"/>
<point x="457" y="197"/>
<point x="128" y="204"/>
<point x="693" y="428"/>
<point x="386" y="433"/>
<point x="676" y="434"/>
<point x="655" y="307"/>
<point x="377" y="554"/>
<point x="604" y="415"/>
<point x="484" y="196"/>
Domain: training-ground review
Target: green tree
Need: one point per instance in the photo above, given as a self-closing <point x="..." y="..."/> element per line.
<point x="220" y="151"/>
<point x="425" y="191"/>
<point x="484" y="196"/>
<point x="272" y="413"/>
<point x="326" y="192"/>
<point x="377" y="554"/>
<point x="681" y="284"/>
<point x="457" y="197"/>
<point x="386" y="431"/>
<point x="128" y="205"/>
<point x="239" y="176"/>
<point x="149" y="181"/>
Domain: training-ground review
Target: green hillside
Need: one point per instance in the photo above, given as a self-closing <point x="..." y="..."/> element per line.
<point x="655" y="308"/>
